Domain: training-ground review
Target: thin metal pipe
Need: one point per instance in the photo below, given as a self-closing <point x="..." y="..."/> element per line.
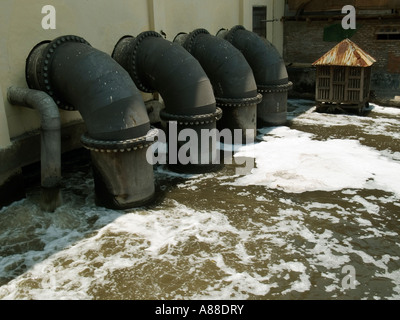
<point x="50" y="141"/>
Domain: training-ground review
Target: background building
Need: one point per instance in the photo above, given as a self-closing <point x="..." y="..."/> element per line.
<point x="312" y="28"/>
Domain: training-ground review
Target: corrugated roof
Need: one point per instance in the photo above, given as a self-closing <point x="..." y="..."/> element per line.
<point x="346" y="53"/>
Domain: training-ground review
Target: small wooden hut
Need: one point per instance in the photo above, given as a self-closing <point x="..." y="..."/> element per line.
<point x="343" y="78"/>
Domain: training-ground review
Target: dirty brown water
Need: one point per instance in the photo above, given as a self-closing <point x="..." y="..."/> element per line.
<point x="281" y="233"/>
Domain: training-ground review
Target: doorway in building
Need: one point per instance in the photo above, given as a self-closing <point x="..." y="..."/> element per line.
<point x="260" y="20"/>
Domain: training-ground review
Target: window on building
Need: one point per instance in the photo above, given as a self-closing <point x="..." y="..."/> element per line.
<point x="388" y="33"/>
<point x="260" y="20"/>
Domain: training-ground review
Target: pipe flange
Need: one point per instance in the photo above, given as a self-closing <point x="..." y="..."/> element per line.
<point x="133" y="67"/>
<point x="275" y="88"/>
<point x="193" y="120"/>
<point x="231" y="33"/>
<point x="190" y="41"/>
<point x="42" y="71"/>
<point x="226" y="102"/>
<point x="119" y="146"/>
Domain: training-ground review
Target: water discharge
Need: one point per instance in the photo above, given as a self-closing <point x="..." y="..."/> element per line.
<point x="325" y="194"/>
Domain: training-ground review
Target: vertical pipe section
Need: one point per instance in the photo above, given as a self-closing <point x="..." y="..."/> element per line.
<point x="269" y="71"/>
<point x="50" y="142"/>
<point x="79" y="77"/>
<point x="156" y="64"/>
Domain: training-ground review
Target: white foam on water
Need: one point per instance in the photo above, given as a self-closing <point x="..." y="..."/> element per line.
<point x="136" y="238"/>
<point x="370" y="207"/>
<point x="321" y="211"/>
<point x="156" y="238"/>
<point x="303" y="283"/>
<point x="363" y="222"/>
<point x="324" y="215"/>
<point x="392" y="155"/>
<point x="235" y="285"/>
<point x="384" y="109"/>
<point x="395" y="277"/>
<point x="383" y="120"/>
<point x="272" y="252"/>
<point x="292" y="161"/>
<point x="140" y="237"/>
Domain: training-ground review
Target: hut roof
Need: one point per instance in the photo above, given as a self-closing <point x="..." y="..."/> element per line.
<point x="346" y="53"/>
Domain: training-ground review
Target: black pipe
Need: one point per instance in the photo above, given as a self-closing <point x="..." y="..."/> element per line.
<point x="232" y="78"/>
<point x="269" y="71"/>
<point x="158" y="65"/>
<point x="79" y="77"/>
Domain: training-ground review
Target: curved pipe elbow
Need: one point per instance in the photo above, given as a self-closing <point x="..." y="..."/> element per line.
<point x="228" y="70"/>
<point x="269" y="71"/>
<point x="40" y="101"/>
<point x="79" y="77"/>
<point x="266" y="62"/>
<point x="156" y="64"/>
